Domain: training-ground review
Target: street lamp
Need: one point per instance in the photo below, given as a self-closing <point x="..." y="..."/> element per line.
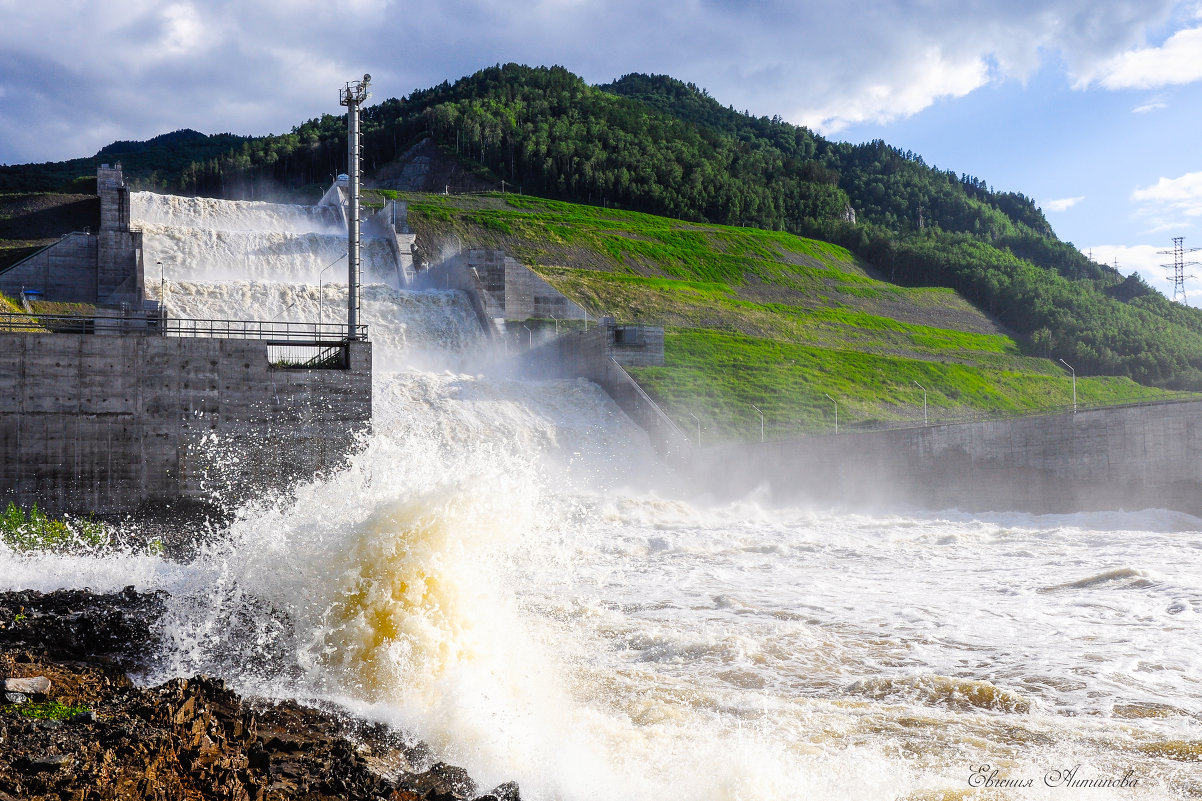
<point x="924" y="403"/>
<point x="832" y="400"/>
<point x="698" y="428"/>
<point x="1070" y="367"/>
<point x="529" y="336"/>
<point x="757" y="408"/>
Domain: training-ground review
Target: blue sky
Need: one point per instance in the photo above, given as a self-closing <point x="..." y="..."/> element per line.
<point x="1090" y="108"/>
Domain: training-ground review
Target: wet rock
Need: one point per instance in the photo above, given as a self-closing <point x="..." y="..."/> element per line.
<point x="77" y="623"/>
<point x="506" y="792"/>
<point x="49" y="763"/>
<point x="187" y="738"/>
<point x="442" y="782"/>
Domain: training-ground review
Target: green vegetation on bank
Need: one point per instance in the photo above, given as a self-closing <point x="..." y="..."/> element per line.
<point x="33" y="530"/>
<point x="721" y="377"/>
<point x="43" y="710"/>
<point x="768" y="319"/>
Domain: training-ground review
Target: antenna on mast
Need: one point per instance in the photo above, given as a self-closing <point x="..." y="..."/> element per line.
<point x="352" y="96"/>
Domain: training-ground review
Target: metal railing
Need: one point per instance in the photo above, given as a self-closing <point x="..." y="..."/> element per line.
<point x="151" y="324"/>
<point x="308" y="355"/>
<point x="781" y="431"/>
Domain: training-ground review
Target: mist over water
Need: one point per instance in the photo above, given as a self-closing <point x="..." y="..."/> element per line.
<point x="506" y="572"/>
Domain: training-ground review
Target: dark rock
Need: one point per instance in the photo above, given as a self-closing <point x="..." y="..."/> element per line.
<point x="506" y="792"/>
<point x="51" y="762"/>
<point x="442" y="782"/>
<point x="187" y="738"/>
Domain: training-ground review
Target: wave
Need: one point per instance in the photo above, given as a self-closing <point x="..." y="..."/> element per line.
<point x="943" y="691"/>
<point x="1107" y="577"/>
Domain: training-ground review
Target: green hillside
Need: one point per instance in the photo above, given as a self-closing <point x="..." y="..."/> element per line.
<point x="656" y="145"/>
<point x="767" y="319"/>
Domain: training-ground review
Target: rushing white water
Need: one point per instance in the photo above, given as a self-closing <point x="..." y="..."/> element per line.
<point x="503" y="572"/>
<point x="201" y="239"/>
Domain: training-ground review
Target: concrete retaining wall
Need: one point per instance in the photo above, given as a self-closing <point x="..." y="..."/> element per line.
<point x="589" y="354"/>
<point x="110" y="424"/>
<point x="1129" y="457"/>
<point x="506" y="289"/>
<point x="64" y="271"/>
<point x="103" y="268"/>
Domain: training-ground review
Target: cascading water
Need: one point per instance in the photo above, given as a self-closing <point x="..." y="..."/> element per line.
<point x="495" y="573"/>
<point x="219" y="240"/>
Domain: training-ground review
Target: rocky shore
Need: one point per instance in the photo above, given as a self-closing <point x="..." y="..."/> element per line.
<point x="74" y="727"/>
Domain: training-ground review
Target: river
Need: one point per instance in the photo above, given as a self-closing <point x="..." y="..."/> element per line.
<point x="507" y="572"/>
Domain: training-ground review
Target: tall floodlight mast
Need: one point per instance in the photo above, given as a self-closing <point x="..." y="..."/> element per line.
<point x="352" y="96"/>
<point x="1178" y="266"/>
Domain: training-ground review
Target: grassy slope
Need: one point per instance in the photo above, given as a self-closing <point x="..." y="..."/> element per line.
<point x="767" y="318"/>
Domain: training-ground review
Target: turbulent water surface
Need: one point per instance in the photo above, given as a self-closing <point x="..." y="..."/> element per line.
<point x="507" y="572"/>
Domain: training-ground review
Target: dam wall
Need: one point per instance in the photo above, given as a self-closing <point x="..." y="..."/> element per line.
<point x="116" y="424"/>
<point x="1128" y="457"/>
<point x="102" y="268"/>
<point x="504" y="288"/>
<point x="593" y="354"/>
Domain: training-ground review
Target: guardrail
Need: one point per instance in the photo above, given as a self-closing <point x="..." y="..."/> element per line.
<point x="12" y="322"/>
<point x="850" y="427"/>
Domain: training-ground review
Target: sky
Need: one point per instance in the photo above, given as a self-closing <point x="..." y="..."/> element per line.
<point x="1092" y="109"/>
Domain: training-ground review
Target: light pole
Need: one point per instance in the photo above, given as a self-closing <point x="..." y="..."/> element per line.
<point x="832" y="400"/>
<point x="698" y="428"/>
<point x="924" y="403"/>
<point x="529" y="336"/>
<point x="757" y="408"/>
<point x="1074" y="372"/>
<point x="352" y="96"/>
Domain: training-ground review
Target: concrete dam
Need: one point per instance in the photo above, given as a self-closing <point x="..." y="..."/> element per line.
<point x="205" y="402"/>
<point x="145" y="403"/>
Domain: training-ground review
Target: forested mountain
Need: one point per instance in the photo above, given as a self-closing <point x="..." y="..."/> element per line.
<point x="654" y="144"/>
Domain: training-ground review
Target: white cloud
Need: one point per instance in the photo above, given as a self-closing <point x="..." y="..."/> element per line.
<point x="1177" y="61"/>
<point x="1153" y="104"/>
<point x="84" y="71"/>
<point x="1170" y="203"/>
<point x="1062" y="204"/>
<point x="1183" y="191"/>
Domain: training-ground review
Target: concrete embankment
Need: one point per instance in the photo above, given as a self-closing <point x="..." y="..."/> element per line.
<point x="1128" y="457"/>
<point x="593" y="354"/>
<point x="111" y="423"/>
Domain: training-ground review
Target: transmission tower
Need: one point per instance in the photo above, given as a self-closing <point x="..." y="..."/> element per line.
<point x="1178" y="266"/>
